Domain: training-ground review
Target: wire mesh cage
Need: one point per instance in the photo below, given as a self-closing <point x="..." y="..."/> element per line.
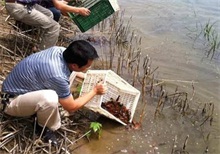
<point x="117" y="87"/>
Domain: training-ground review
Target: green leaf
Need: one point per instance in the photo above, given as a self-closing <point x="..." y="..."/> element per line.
<point x="95" y="126"/>
<point x="78" y="89"/>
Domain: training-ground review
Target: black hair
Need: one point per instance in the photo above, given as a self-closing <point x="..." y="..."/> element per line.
<point x="79" y="52"/>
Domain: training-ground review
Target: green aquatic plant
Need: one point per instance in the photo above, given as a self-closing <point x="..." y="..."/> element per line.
<point x="212" y="38"/>
<point x="208" y="30"/>
<point x="209" y="34"/>
<point x="214" y="44"/>
<point x="78" y="88"/>
<point x="95" y="128"/>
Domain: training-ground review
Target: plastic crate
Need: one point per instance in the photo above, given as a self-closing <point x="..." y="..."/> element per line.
<point x="129" y="95"/>
<point x="100" y="9"/>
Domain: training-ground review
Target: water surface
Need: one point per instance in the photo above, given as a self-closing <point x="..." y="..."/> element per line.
<point x="168" y="29"/>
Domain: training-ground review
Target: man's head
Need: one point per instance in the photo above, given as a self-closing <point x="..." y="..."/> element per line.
<point x="79" y="55"/>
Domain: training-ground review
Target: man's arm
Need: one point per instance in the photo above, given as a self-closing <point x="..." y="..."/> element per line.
<point x="63" y="7"/>
<point x="72" y="105"/>
<point x="80" y="75"/>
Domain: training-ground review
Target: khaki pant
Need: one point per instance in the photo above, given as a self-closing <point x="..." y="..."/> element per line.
<point x="43" y="103"/>
<point x="39" y="17"/>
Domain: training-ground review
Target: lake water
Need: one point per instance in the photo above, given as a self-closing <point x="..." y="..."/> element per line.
<point x="168" y="29"/>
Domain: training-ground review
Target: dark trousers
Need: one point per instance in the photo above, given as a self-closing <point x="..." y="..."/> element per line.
<point x="56" y="13"/>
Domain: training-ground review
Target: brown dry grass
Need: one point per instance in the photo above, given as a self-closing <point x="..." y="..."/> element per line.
<point x="17" y="134"/>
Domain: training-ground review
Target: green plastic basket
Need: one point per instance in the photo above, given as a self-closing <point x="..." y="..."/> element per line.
<point x="100" y="9"/>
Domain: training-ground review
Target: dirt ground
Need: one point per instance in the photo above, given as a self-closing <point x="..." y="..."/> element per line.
<point x="16" y="134"/>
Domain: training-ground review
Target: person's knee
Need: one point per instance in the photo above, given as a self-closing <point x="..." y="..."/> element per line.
<point x="50" y="98"/>
<point x="51" y="26"/>
<point x="50" y="14"/>
<point x="56" y="29"/>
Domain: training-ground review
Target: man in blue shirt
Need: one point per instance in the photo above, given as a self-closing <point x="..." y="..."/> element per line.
<point x="40" y="82"/>
<point x="30" y="13"/>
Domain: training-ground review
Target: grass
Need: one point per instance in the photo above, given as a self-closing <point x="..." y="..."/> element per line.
<point x="212" y="38"/>
<point x="208" y="34"/>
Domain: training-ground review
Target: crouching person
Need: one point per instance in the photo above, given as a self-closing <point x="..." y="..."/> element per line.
<point x="40" y="82"/>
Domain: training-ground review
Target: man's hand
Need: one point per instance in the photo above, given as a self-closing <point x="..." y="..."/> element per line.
<point x="80" y="75"/>
<point x="84" y="11"/>
<point x="81" y="10"/>
<point x="100" y="88"/>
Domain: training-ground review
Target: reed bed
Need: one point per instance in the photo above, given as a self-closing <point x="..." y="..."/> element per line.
<point x="18" y="134"/>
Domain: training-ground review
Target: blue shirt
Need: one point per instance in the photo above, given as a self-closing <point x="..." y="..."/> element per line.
<point x="43" y="70"/>
<point x="29" y="1"/>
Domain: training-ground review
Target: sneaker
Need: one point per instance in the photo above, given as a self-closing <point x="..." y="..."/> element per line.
<point x="49" y="136"/>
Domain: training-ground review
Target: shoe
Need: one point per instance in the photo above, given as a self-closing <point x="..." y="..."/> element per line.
<point x="50" y="137"/>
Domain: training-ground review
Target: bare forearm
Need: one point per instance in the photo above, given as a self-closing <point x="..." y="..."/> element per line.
<point x="64" y="7"/>
<point x="72" y="105"/>
<point x="82" y="100"/>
